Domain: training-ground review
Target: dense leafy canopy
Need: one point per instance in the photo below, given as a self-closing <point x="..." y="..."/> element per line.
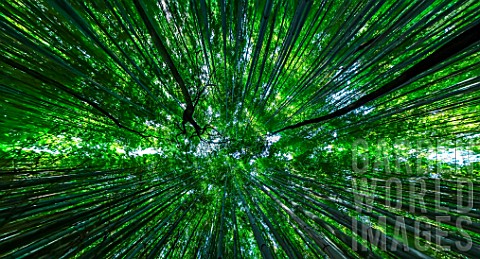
<point x="239" y="129"/>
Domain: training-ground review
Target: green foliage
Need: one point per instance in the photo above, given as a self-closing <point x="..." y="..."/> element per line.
<point x="147" y="129"/>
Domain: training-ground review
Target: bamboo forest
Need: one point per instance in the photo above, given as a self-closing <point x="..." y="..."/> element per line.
<point x="240" y="129"/>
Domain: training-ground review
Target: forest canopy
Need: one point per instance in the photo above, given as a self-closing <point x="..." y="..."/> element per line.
<point x="239" y="129"/>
